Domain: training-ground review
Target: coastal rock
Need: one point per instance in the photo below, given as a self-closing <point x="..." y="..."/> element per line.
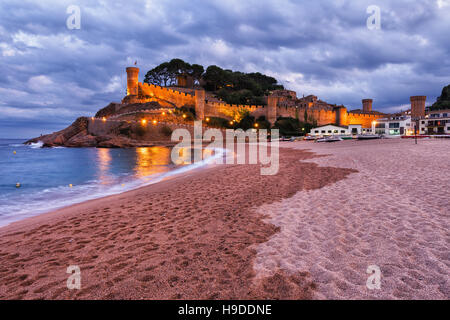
<point x="59" y="138"/>
<point x="114" y="142"/>
<point x="122" y="131"/>
<point x="82" y="139"/>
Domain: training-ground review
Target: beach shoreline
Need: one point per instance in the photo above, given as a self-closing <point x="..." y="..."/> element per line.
<point x="226" y="232"/>
<point x="190" y="237"/>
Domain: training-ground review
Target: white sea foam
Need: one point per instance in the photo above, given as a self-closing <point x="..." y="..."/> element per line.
<point x="36" y="145"/>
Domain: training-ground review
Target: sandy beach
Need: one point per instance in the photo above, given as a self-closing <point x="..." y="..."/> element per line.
<point x="393" y="213"/>
<point x="187" y="238"/>
<point x="226" y="232"/>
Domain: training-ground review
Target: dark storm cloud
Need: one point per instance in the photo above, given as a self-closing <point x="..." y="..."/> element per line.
<point x="51" y="75"/>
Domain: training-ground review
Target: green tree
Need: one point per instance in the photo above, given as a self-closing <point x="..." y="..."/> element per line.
<point x="443" y="101"/>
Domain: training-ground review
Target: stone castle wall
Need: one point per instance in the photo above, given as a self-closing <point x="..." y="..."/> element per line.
<point x="321" y="113"/>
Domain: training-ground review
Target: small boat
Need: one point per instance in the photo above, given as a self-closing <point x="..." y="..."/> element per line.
<point x="309" y="138"/>
<point x="368" y="136"/>
<point x="416" y="136"/>
<point x="329" y="139"/>
<point x="346" y="137"/>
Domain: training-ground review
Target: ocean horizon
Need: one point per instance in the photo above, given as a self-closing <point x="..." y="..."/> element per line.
<point x="36" y="180"/>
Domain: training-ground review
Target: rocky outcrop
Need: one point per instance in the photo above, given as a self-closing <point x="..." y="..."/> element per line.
<point x="123" y="132"/>
<point x="75" y="131"/>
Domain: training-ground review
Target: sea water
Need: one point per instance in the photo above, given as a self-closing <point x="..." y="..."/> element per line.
<point x="34" y="180"/>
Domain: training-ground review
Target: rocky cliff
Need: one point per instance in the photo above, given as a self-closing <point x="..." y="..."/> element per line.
<point x="122" y="132"/>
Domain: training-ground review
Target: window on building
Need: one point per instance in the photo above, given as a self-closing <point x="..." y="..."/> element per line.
<point x="329" y="131"/>
<point x="316" y="131"/>
<point x="394" y="125"/>
<point x="323" y="131"/>
<point x="342" y="131"/>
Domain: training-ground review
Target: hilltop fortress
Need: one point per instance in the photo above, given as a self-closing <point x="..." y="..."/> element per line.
<point x="149" y="113"/>
<point x="280" y="103"/>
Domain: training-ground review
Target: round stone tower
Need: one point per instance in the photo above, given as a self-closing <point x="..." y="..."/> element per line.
<point x="418" y="106"/>
<point x="132" y="81"/>
<point x="367" y="105"/>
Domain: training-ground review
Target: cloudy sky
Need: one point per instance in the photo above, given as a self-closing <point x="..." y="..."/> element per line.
<point x="51" y="74"/>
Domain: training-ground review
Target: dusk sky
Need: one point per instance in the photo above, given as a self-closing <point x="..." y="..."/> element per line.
<point x="50" y="74"/>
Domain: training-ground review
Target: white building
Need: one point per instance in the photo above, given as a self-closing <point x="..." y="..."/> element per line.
<point x="396" y="125"/>
<point x="435" y="122"/>
<point x="333" y="130"/>
<point x="329" y="130"/>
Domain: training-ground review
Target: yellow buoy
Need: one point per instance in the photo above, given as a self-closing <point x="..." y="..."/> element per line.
<point x="17" y="185"/>
<point x="14" y="152"/>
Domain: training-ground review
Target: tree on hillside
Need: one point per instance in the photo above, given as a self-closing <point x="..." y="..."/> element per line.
<point x="159" y="75"/>
<point x="443" y="101"/>
<point x="197" y="72"/>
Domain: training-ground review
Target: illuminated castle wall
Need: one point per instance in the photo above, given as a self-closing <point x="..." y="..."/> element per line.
<point x="281" y="103"/>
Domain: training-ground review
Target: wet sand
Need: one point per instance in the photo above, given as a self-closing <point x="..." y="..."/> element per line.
<point x="191" y="237"/>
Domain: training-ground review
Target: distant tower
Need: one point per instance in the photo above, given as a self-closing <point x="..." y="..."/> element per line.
<point x="367" y="105"/>
<point x="272" y="102"/>
<point x="132" y="81"/>
<point x="418" y="106"/>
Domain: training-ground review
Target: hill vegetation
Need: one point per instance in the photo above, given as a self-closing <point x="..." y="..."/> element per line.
<point x="233" y="87"/>
<point x="443" y="101"/>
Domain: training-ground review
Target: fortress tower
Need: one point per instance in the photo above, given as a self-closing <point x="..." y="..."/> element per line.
<point x="200" y="104"/>
<point x="418" y="106"/>
<point x="367" y="105"/>
<point x="272" y="102"/>
<point x="132" y="81"/>
<point x="341" y="116"/>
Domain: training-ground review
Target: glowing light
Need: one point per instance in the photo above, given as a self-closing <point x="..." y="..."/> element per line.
<point x="231" y="122"/>
<point x="103" y="119"/>
<point x="163" y="113"/>
<point x="256" y="125"/>
<point x="14" y="152"/>
<point x="143" y="122"/>
<point x="155" y="122"/>
<point x="70" y="186"/>
<point x="17" y="185"/>
<point x="184" y="116"/>
<point x="92" y="118"/>
<point x="207" y="119"/>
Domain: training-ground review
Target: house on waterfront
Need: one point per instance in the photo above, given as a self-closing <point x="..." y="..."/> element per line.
<point x="435" y="122"/>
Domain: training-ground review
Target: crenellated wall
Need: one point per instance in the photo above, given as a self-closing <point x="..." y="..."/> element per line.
<point x="277" y="105"/>
<point x="364" y="119"/>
